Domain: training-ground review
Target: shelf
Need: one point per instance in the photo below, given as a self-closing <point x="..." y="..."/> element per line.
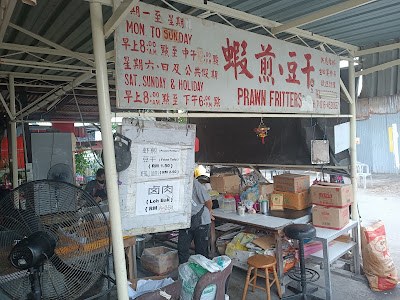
<point x="331" y="234"/>
<point x="335" y="251"/>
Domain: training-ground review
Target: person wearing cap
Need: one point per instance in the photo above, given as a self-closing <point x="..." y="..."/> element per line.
<point x="200" y="224"/>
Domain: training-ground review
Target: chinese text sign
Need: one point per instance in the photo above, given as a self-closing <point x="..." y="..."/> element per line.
<point x="169" y="60"/>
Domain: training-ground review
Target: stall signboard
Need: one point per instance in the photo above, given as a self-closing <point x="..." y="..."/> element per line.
<point x="155" y="190"/>
<point x="167" y="60"/>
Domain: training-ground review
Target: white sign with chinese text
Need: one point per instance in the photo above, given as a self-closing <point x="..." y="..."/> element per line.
<point x="157" y="197"/>
<point x="168" y="60"/>
<point x="156" y="188"/>
<point x="160" y="163"/>
<point x="155" y="161"/>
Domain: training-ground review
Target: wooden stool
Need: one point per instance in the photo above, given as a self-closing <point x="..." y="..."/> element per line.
<point x="264" y="262"/>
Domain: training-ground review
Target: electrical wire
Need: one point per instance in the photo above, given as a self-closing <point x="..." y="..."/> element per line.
<point x="84" y="126"/>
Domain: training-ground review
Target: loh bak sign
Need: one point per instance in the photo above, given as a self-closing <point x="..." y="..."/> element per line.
<point x="169" y="60"/>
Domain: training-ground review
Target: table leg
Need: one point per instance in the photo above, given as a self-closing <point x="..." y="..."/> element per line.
<point x="213" y="240"/>
<point x="327" y="271"/>
<point x="356" y="254"/>
<point x="279" y="260"/>
<point x="131" y="263"/>
<point x="134" y="262"/>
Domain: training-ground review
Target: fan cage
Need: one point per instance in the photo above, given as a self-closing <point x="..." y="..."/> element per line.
<point x="72" y="217"/>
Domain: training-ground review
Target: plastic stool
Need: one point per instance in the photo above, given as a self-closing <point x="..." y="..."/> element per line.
<point x="264" y="262"/>
<point x="303" y="275"/>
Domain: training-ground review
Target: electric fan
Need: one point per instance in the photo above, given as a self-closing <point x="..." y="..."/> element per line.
<point x="61" y="172"/>
<point x="58" y="253"/>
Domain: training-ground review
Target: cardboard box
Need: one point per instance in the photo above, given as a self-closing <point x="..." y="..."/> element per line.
<point x="293" y="183"/>
<point x="331" y="194"/>
<point x="330" y="217"/>
<point x="265" y="190"/>
<point x="266" y="242"/>
<point x="296" y="201"/>
<point x="240" y="257"/>
<point x="276" y="202"/>
<point x="225" y="183"/>
<point x="159" y="260"/>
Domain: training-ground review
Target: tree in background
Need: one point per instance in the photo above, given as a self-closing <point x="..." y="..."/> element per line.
<point x="85" y="163"/>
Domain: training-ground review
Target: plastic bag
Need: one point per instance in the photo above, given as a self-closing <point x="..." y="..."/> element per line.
<point x="378" y="265"/>
<point x="251" y="194"/>
<point x="191" y="272"/>
<point x="230" y="249"/>
<point x="289" y="254"/>
<point x="208" y="264"/>
<point x="144" y="286"/>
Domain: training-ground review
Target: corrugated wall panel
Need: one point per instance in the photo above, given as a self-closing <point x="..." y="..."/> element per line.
<point x="374" y="148"/>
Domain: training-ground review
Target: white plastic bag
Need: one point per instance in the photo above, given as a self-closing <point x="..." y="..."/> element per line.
<point x="208" y="264"/>
<point x="192" y="271"/>
<point x="144" y="286"/>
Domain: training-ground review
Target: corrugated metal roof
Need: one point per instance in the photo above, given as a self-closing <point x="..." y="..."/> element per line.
<point x="67" y="23"/>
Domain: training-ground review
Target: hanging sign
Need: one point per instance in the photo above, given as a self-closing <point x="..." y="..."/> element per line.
<point x="156" y="188"/>
<point x="168" y="60"/>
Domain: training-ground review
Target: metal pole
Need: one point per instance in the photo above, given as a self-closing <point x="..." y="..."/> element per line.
<point x="353" y="149"/>
<point x="103" y="95"/>
<point x="13" y="133"/>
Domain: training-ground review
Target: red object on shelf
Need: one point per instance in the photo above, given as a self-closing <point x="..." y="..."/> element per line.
<point x="196" y="145"/>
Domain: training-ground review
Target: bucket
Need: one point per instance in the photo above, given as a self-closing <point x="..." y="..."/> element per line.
<point x="140" y="242"/>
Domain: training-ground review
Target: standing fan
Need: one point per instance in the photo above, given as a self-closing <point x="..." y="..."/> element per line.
<point x="55" y="255"/>
<point x="61" y="172"/>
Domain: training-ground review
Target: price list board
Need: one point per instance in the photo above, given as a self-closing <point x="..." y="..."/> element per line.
<point x="156" y="188"/>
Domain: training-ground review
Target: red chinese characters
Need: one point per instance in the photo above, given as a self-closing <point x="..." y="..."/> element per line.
<point x="231" y="54"/>
<point x="266" y="64"/>
<point x="292" y="67"/>
<point x="307" y="70"/>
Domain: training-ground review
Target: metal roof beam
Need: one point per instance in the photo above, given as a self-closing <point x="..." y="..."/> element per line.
<point x="6" y="17"/>
<point x="36" y="76"/>
<point x="58" y="93"/>
<point x="40" y="50"/>
<point x="118" y="16"/>
<point x="378" y="67"/>
<point x="54" y="45"/>
<point x="6" y="107"/>
<point x="46" y="86"/>
<point x="44" y="65"/>
<point x="346" y="92"/>
<point x="324" y="13"/>
<point x="243" y="16"/>
<point x="378" y="49"/>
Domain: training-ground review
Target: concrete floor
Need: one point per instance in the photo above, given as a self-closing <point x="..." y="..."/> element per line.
<point x="380" y="201"/>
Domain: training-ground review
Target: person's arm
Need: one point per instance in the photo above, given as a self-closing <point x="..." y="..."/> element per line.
<point x="208" y="204"/>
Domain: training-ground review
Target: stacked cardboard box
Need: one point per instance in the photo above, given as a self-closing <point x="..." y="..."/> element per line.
<point x="292" y="190"/>
<point x="332" y="201"/>
<point x="225" y="183"/>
